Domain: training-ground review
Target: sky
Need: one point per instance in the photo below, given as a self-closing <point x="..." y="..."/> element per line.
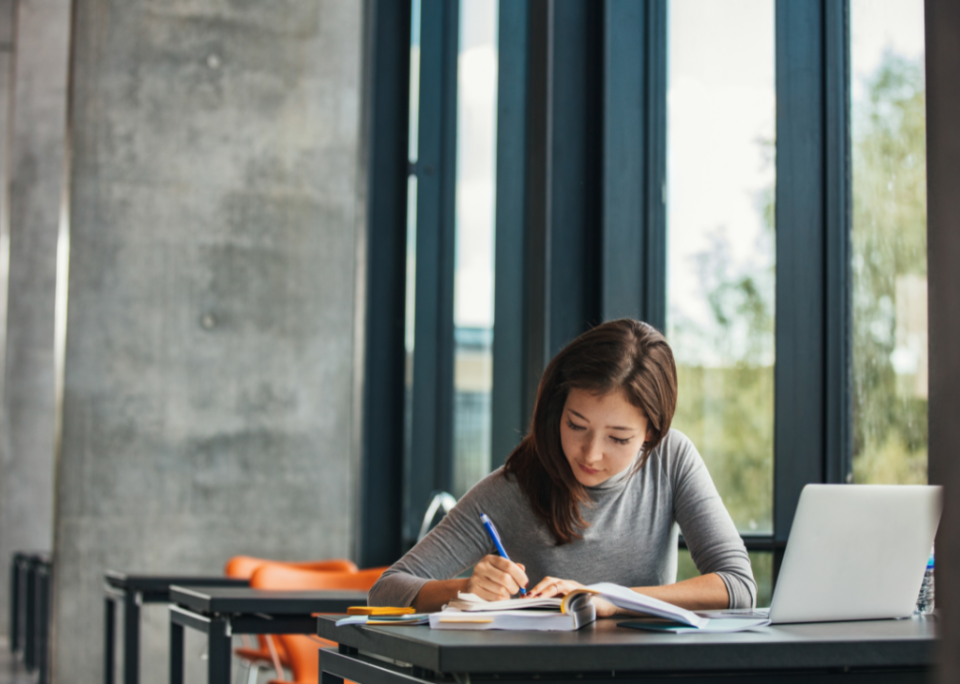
<point x="720" y="121"/>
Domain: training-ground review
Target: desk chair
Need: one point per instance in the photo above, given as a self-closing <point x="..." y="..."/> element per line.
<point x="269" y="651"/>
<point x="301" y="650"/>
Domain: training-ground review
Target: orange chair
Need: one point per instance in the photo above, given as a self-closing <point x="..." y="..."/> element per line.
<point x="301" y="650"/>
<point x="244" y="566"/>
<point x="271" y="652"/>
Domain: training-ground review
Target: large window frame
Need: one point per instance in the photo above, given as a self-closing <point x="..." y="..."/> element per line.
<point x="581" y="167"/>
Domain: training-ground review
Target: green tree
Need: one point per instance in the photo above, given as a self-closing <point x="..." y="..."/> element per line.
<point x="889" y="243"/>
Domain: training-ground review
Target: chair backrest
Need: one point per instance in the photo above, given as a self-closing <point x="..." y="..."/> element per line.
<point x="244" y="566"/>
<point x="283" y="576"/>
<point x="301" y="651"/>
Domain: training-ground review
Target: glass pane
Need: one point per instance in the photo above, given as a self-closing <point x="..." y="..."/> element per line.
<point x="762" y="562"/>
<point x="889" y="264"/>
<point x="721" y="249"/>
<point x="411" y="284"/>
<point x="473" y="285"/>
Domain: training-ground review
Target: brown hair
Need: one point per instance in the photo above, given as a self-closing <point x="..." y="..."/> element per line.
<point x="625" y="355"/>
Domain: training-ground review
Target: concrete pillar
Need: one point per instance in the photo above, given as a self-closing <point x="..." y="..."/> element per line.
<point x="36" y="181"/>
<point x="209" y="360"/>
<point x="7" y="34"/>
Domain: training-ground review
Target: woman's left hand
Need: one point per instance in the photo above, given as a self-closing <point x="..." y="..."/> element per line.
<point x="549" y="587"/>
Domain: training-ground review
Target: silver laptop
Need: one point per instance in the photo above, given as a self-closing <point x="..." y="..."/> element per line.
<point x="856" y="552"/>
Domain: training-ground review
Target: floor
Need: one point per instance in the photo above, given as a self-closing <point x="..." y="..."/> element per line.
<point x="11" y="669"/>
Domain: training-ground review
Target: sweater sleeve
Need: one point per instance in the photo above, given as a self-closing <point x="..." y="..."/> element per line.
<point x="458" y="542"/>
<point x="713" y="540"/>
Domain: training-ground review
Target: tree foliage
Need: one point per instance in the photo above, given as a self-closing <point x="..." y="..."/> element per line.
<point x="889" y="244"/>
<point x="726" y="407"/>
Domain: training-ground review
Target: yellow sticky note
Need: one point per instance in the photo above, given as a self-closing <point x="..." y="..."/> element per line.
<point x="379" y="610"/>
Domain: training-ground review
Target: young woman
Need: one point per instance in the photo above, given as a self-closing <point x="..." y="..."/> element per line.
<point x="595" y="493"/>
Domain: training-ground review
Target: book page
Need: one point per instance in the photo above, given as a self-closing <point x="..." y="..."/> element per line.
<point x="472" y="602"/>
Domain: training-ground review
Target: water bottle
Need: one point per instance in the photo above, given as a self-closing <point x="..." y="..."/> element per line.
<point x="925" y="599"/>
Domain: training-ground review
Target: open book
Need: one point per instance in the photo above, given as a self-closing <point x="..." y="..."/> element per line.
<point x="516" y="614"/>
<point x="571" y="612"/>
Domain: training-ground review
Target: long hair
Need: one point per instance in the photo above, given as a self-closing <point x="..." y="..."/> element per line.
<point x="625" y="355"/>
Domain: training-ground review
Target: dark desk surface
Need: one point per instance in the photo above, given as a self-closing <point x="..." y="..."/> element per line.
<point x="240" y="600"/>
<point x="161" y="583"/>
<point x="604" y="647"/>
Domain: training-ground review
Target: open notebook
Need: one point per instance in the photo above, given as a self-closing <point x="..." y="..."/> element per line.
<point x="570" y="613"/>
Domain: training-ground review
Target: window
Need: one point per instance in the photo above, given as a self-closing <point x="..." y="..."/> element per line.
<point x="473" y="277"/>
<point x="747" y="174"/>
<point x="721" y="243"/>
<point x="889" y="256"/>
<point x="721" y="251"/>
<point x="449" y="251"/>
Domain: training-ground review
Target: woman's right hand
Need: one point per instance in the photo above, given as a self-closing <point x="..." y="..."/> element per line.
<point x="495" y="578"/>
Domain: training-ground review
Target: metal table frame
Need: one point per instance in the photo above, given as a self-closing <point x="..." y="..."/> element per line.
<point x="133" y="591"/>
<point x="30" y="575"/>
<point x="221" y="613"/>
<point x="898" y="651"/>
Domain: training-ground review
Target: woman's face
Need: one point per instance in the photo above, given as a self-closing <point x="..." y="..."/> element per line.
<point x="600" y="434"/>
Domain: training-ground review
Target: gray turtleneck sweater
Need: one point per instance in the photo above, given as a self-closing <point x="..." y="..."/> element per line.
<point x="631" y="539"/>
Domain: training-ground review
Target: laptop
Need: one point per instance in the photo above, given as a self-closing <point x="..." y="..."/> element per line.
<point x="855" y="552"/>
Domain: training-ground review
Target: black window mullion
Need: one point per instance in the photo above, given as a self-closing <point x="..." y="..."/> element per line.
<point x="798" y="424"/>
<point x="563" y="181"/>
<point x="838" y="404"/>
<point x="573" y="171"/>
<point x="387" y="35"/>
<point x="508" y="408"/>
<point x="634" y="161"/>
<point x="812" y="393"/>
<point x="655" y="252"/>
<point x="624" y="159"/>
<point x="429" y="461"/>
<point x="537" y="211"/>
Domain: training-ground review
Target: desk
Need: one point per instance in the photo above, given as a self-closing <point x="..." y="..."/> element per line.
<point x="30" y="608"/>
<point x="223" y="612"/>
<point x="134" y="591"/>
<point x="870" y="651"/>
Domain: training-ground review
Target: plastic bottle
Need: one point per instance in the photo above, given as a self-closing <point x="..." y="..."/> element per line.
<point x="925" y="599"/>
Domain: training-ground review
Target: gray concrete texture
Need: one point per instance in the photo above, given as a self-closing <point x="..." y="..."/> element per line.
<point x="36" y="158"/>
<point x="7" y="17"/>
<point x="209" y="367"/>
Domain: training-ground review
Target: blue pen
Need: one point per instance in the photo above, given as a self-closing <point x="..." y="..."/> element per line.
<point x="492" y="531"/>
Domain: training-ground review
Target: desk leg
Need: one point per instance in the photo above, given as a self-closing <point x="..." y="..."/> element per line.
<point x="15" y="604"/>
<point x="218" y="651"/>
<point x="109" y="639"/>
<point x="29" y="618"/>
<point x="43" y="625"/>
<point x="326" y="677"/>
<point x="131" y="638"/>
<point x="176" y="653"/>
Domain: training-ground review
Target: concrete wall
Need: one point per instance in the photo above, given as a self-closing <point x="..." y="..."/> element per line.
<point x="7" y="35"/>
<point x="36" y="179"/>
<point x="209" y="360"/>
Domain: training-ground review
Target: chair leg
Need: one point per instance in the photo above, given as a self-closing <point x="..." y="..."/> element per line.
<point x="254" y="674"/>
<point x="273" y="655"/>
<point x="241" y="672"/>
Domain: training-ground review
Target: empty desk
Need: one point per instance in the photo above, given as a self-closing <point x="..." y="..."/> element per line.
<point x="223" y="612"/>
<point x="30" y="573"/>
<point x="133" y="590"/>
